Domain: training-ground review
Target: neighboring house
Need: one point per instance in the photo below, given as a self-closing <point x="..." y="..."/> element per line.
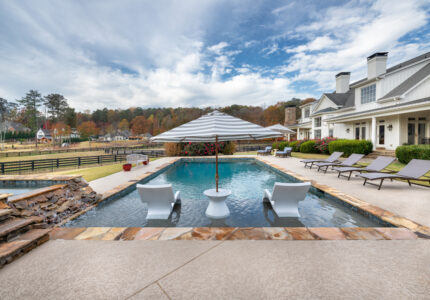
<point x="75" y="134"/>
<point x="13" y="127"/>
<point x="390" y="106"/>
<point x="118" y="136"/>
<point x="44" y="136"/>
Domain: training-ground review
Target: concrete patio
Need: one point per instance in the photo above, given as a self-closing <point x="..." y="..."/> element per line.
<point x="220" y="270"/>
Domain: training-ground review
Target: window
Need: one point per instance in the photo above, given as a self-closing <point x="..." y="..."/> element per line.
<point x="317" y="133"/>
<point x="307" y="112"/>
<point x="363" y="133"/>
<point x="368" y="94"/>
<point x="318" y="122"/>
<point x="357" y="133"/>
<point x="330" y="132"/>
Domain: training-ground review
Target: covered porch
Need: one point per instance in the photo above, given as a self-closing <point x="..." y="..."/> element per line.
<point x="386" y="130"/>
<point x="303" y="131"/>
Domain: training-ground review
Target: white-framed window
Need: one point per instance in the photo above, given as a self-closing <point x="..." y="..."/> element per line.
<point x="330" y="132"/>
<point x="318" y="122"/>
<point x="307" y="112"/>
<point x="368" y="94"/>
<point x="317" y="133"/>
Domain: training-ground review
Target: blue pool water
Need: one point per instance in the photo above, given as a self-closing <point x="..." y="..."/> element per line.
<point x="246" y="180"/>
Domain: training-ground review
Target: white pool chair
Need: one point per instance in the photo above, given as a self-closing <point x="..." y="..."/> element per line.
<point x="285" y="198"/>
<point x="160" y="200"/>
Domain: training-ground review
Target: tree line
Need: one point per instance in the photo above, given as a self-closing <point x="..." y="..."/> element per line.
<point x="53" y="112"/>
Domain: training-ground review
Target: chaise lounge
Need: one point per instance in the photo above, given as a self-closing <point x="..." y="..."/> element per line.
<point x="160" y="200"/>
<point x="334" y="157"/>
<point x="349" y="162"/>
<point x="285" y="198"/>
<point x="414" y="170"/>
<point x="284" y="153"/>
<point x="380" y="163"/>
<point x="266" y="151"/>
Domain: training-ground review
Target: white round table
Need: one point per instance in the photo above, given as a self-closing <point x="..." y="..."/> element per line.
<point x="217" y="208"/>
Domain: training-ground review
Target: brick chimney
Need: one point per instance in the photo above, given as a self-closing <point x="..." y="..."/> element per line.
<point x="290" y="115"/>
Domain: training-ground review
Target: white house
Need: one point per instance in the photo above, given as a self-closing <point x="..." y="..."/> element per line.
<point x="44" y="135"/>
<point x="390" y="106"/>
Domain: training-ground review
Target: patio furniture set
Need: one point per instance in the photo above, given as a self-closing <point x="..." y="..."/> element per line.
<point x="282" y="153"/>
<point x="415" y="170"/>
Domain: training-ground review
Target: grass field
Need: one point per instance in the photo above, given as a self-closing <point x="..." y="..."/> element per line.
<point x="93" y="173"/>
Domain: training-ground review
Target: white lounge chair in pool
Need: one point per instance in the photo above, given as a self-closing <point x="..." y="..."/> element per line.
<point x="160" y="200"/>
<point x="285" y="198"/>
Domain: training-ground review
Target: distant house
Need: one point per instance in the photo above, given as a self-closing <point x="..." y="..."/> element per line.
<point x="75" y="134"/>
<point x="44" y="136"/>
<point x="13" y="127"/>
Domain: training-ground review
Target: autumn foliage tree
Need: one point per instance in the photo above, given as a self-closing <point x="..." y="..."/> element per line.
<point x="87" y="129"/>
<point x="139" y="125"/>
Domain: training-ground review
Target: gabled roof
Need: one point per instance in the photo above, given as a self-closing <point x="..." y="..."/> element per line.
<point x="324" y="110"/>
<point x="423" y="100"/>
<point x="342" y="99"/>
<point x="409" y="83"/>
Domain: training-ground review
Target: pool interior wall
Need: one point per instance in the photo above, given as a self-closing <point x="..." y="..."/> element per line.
<point x="246" y="177"/>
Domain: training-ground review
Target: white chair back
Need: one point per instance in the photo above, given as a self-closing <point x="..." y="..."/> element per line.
<point x="159" y="199"/>
<point x="286" y="196"/>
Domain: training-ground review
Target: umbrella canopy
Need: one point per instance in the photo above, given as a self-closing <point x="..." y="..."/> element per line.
<point x="215" y="127"/>
<point x="281" y="128"/>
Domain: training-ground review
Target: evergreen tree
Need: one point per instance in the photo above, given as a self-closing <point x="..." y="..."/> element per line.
<point x="57" y="106"/>
<point x="30" y="103"/>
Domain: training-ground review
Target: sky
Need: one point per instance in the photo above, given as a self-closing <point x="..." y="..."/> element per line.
<point x="130" y="53"/>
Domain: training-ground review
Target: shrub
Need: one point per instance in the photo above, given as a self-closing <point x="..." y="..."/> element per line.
<point x="275" y="145"/>
<point x="406" y="153"/>
<point x="293" y="145"/>
<point x="172" y="149"/>
<point x="198" y="149"/>
<point x="350" y="146"/>
<point x="229" y="148"/>
<point x="309" y="147"/>
<point x="296" y="147"/>
<point x="282" y="145"/>
<point x="322" y="144"/>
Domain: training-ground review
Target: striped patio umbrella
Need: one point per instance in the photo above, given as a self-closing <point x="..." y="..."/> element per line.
<point x="216" y="127"/>
<point x="281" y="128"/>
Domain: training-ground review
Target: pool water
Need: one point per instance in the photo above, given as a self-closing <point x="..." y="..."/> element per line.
<point x="246" y="180"/>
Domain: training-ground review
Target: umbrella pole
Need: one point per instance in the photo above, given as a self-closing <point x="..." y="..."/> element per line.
<point x="216" y="162"/>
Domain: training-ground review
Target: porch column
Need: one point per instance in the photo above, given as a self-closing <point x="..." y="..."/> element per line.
<point x="373" y="132"/>
<point x="298" y="134"/>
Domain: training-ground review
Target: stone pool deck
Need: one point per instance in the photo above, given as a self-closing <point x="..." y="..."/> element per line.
<point x="62" y="269"/>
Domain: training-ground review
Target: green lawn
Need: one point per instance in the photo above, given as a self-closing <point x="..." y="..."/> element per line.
<point x="93" y="173"/>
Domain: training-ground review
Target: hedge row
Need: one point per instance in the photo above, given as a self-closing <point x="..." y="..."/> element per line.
<point x="349" y="147"/>
<point x="327" y="145"/>
<point x="408" y="152"/>
<point x="198" y="149"/>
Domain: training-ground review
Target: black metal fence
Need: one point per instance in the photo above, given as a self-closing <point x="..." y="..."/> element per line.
<point x="251" y="147"/>
<point x="54" y="151"/>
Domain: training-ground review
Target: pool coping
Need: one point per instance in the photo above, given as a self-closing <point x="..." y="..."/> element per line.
<point x="360" y="205"/>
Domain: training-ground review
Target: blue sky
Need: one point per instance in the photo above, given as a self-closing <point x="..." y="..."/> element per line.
<point x="119" y="54"/>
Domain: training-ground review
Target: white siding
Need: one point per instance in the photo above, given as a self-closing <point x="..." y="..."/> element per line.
<point x="421" y="91"/>
<point x="394" y="79"/>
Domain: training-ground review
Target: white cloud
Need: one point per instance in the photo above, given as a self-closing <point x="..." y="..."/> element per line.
<point x="358" y="33"/>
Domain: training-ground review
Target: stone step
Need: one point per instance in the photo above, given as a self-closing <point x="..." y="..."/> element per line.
<point x="5" y="214"/>
<point x="22" y="244"/>
<point x="14" y="227"/>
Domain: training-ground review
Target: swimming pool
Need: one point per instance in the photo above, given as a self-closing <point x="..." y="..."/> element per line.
<point x="21" y="187"/>
<point x="245" y="178"/>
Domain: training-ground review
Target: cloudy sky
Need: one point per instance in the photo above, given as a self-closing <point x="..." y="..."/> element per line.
<point x="119" y="54"/>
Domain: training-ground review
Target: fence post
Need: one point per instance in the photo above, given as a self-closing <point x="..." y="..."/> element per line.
<point x="32" y="165"/>
<point x="2" y="168"/>
<point x="79" y="162"/>
<point x="58" y="163"/>
<point x="115" y="157"/>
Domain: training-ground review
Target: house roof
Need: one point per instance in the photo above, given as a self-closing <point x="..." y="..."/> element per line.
<point x="16" y="126"/>
<point x="342" y="99"/>
<point x="423" y="100"/>
<point x="324" y="110"/>
<point x="399" y="66"/>
<point x="409" y="83"/>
